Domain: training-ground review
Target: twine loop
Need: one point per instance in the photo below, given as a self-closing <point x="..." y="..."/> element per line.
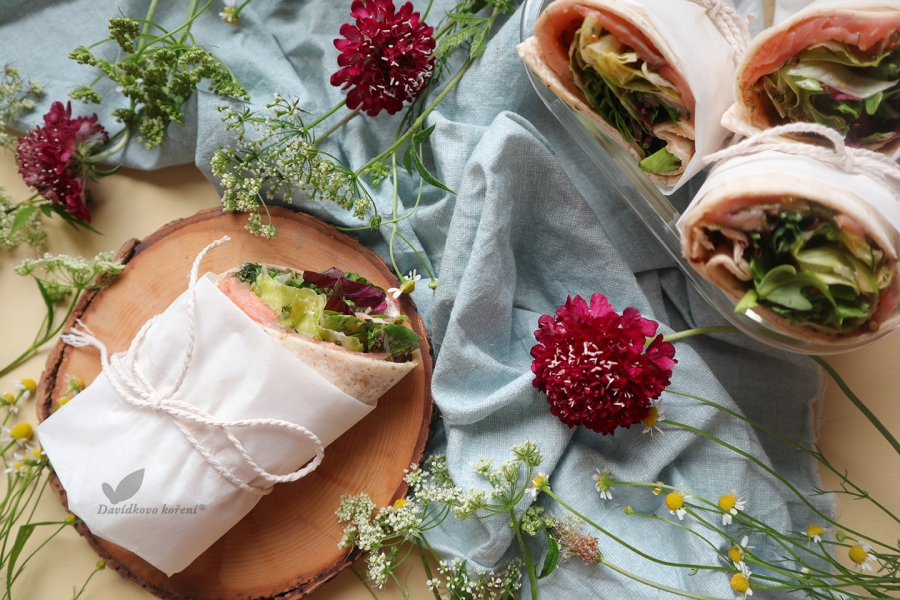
<point x="733" y="27"/>
<point x="130" y="383"/>
<point x="853" y="161"/>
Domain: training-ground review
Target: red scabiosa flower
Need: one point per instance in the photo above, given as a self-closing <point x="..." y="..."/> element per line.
<point x="387" y="57"/>
<point x="52" y="157"/>
<point x="595" y="365"/>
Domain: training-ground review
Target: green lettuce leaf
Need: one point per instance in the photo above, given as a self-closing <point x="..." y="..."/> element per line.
<point x="662" y="161"/>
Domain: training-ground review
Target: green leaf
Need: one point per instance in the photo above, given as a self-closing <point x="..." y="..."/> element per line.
<point x="552" y="557"/>
<point x="479" y="43"/>
<point x="48" y="301"/>
<point x="68" y="218"/>
<point x="747" y="302"/>
<point x="428" y="176"/>
<point x="872" y="103"/>
<point x="451" y="41"/>
<point x="466" y="18"/>
<point x="662" y="161"/>
<point x="22" y="536"/>
<point x="422" y="135"/>
<point x="790" y="296"/>
<point x="22" y="216"/>
<point x="407" y="159"/>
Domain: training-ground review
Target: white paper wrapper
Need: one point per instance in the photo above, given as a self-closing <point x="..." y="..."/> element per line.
<point x="98" y="443"/>
<point x="774" y="174"/>
<point x="692" y="44"/>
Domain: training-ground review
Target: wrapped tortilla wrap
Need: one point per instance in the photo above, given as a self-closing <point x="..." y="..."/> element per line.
<point x="836" y="63"/>
<point x="653" y="74"/>
<point x="809" y="248"/>
<point x="166" y="472"/>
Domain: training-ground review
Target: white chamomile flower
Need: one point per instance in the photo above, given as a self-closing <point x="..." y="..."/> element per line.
<point x="736" y="554"/>
<point x="859" y="554"/>
<point x="603" y="483"/>
<point x="814" y="533"/>
<point x="675" y="504"/>
<point x="653" y="418"/>
<point x="231" y="14"/>
<point x="740" y="583"/>
<point x="27" y="386"/>
<point x="730" y="505"/>
<point x="537" y="482"/>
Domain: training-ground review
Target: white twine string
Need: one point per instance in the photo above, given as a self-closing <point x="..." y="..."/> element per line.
<point x="849" y="160"/>
<point x="131" y="384"/>
<point x="733" y="27"/>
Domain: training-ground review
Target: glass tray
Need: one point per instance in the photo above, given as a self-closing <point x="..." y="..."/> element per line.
<point x="658" y="214"/>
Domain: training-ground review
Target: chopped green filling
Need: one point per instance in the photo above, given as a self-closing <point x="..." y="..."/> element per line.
<point x="626" y="92"/>
<point x="808" y="269"/>
<point x="304" y="307"/>
<point x="839" y="86"/>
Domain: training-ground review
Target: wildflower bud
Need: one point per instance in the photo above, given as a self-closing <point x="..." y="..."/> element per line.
<point x="101" y="564"/>
<point x="62" y="401"/>
<point x="658" y="488"/>
<point x="21" y="432"/>
<point x="75" y="383"/>
<point x="840" y="536"/>
<point x="8" y="398"/>
<point x="70" y="518"/>
<point x="432" y="285"/>
<point x="628" y="510"/>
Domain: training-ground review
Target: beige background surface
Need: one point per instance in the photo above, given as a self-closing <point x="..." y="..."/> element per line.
<point x="134" y="204"/>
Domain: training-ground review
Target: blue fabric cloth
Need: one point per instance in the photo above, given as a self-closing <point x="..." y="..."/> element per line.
<point x="531" y="223"/>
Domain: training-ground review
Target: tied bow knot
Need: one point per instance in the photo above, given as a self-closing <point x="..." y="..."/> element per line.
<point x="124" y="373"/>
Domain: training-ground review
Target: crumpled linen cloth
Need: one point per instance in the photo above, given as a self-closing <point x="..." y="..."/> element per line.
<point x="531" y="222"/>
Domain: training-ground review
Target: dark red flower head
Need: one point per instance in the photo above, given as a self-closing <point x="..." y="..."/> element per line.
<point x="595" y="367"/>
<point x="52" y="157"/>
<point x="387" y="58"/>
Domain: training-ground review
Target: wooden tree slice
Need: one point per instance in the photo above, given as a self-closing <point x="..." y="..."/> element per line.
<point x="288" y="545"/>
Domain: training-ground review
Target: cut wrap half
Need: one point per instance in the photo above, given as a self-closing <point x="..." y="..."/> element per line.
<point x="655" y="84"/>
<point x="810" y="249"/>
<point x="342" y="326"/>
<point x="835" y="63"/>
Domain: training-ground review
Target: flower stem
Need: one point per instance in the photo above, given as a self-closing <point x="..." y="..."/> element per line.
<point x="680" y="335"/>
<point x="529" y="564"/>
<point x="98" y="158"/>
<point x="364" y="582"/>
<point x="859" y="403"/>
<point x="146" y="28"/>
<point x="337" y="125"/>
<point x="653" y="584"/>
<point x="427" y="567"/>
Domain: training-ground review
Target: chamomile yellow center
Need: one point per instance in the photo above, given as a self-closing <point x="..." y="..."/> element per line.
<point x="739" y="583"/>
<point x="727" y="502"/>
<point x="538" y="481"/>
<point x="858" y="554"/>
<point x="814" y="530"/>
<point x="9" y="398"/>
<point x="736" y="554"/>
<point x="674" y="501"/>
<point x="22" y="431"/>
<point x="400" y="503"/>
<point x="651" y="418"/>
<point x="29" y="385"/>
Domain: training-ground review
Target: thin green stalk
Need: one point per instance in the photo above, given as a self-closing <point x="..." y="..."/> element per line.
<point x="622" y="542"/>
<point x="98" y="158"/>
<point x="146" y="28"/>
<point x="526" y="554"/>
<point x="364" y="582"/>
<point x="319" y="119"/>
<point x="772" y="472"/>
<point x="859" y="403"/>
<point x="680" y="335"/>
<point x="654" y="584"/>
<point x="191" y="15"/>
<point x="816" y="455"/>
<point x="346" y="119"/>
<point x="86" y="582"/>
<point x="427" y="567"/>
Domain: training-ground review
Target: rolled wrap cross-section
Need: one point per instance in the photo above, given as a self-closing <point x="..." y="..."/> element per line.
<point x="836" y="63"/>
<point x="655" y="75"/>
<point x="809" y="248"/>
<point x="365" y="376"/>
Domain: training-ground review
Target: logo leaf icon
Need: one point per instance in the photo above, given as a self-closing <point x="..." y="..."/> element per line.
<point x="127" y="488"/>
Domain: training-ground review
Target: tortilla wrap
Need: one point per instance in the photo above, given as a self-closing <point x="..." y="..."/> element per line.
<point x="687" y="40"/>
<point x="860" y="23"/>
<point x="771" y="176"/>
<point x="360" y="375"/>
